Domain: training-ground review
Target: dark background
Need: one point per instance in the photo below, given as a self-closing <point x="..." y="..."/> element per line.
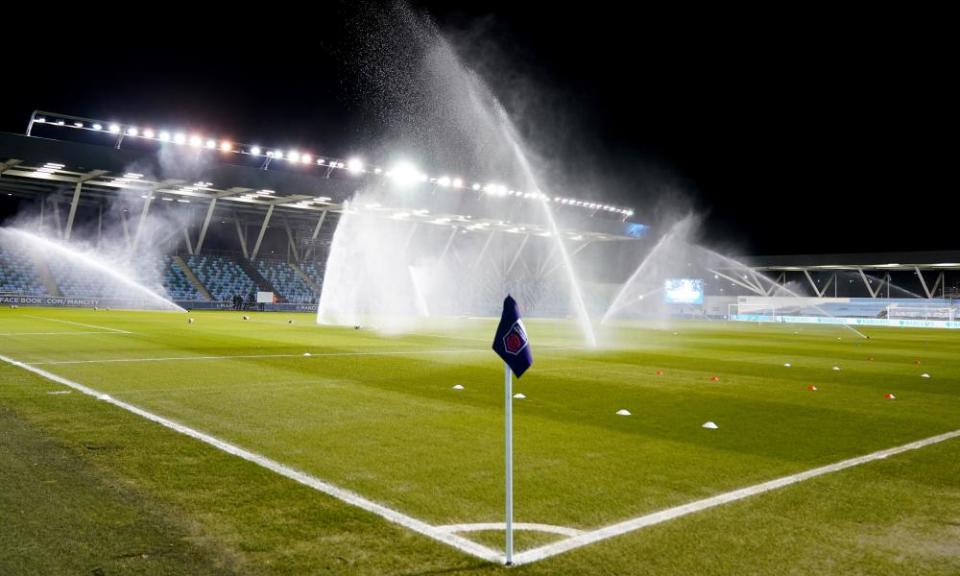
<point x="791" y="132"/>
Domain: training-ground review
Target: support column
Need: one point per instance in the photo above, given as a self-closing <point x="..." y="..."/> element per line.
<point x="143" y="220"/>
<point x="316" y="232"/>
<point x="76" y="202"/>
<point x="446" y="247"/>
<point x="813" y="284"/>
<point x="125" y="227"/>
<point x="516" y="255"/>
<point x="186" y="237"/>
<point x="99" y="224"/>
<point x="206" y="224"/>
<point x="867" y="284"/>
<point x="56" y="218"/>
<point x="483" y="251"/>
<point x="923" y="283"/>
<point x="290" y="241"/>
<point x="241" y="235"/>
<point x="73" y="209"/>
<point x="263" y="230"/>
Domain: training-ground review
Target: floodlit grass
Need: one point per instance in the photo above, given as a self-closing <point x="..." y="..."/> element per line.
<point x="377" y="414"/>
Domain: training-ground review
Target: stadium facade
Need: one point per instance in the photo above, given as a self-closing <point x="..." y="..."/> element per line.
<point x="244" y="219"/>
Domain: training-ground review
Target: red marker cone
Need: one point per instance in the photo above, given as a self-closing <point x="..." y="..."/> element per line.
<point x="714" y="378"/>
<point x="889" y="396"/>
<point x="917" y="361"/>
<point x="870" y="358"/>
<point x="659" y="372"/>
<point x="812" y="388"/>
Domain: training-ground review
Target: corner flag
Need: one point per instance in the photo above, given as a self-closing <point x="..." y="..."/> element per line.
<point x="511" y="344"/>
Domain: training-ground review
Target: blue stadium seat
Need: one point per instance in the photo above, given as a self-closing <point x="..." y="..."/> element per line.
<point x="18" y="275"/>
<point x="286" y="281"/>
<point x="221" y="276"/>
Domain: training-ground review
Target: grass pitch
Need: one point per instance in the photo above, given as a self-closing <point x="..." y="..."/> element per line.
<point x="91" y="487"/>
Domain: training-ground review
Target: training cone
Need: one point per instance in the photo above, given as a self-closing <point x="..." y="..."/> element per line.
<point x="189" y="320"/>
<point x="924" y="375"/>
<point x="519" y="396"/>
<point x="714" y="378"/>
<point x="289" y="321"/>
<point x="786" y="365"/>
<point x="458" y="387"/>
<point x="711" y="425"/>
<point x="889" y="396"/>
<point x="245" y="317"/>
<point x="623" y="412"/>
<point x="870" y="359"/>
<point x="836" y="368"/>
<point x="812" y="388"/>
<point x="659" y="372"/>
<point x="307" y="354"/>
<point x="917" y="361"/>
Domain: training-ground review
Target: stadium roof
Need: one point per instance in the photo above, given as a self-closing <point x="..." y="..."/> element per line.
<point x="31" y="166"/>
<point x="889" y="261"/>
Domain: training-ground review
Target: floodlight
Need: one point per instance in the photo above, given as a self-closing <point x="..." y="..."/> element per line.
<point x="354" y="165"/>
<point x="404" y="173"/>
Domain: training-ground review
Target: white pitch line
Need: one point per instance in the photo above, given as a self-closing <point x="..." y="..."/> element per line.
<point x="117" y="330"/>
<point x="620" y="528"/>
<point x="389" y="514"/>
<point x="528" y="526"/>
<point x="242" y="356"/>
<point x="57" y="333"/>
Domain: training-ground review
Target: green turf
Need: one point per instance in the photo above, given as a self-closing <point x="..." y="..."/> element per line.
<point x="381" y="419"/>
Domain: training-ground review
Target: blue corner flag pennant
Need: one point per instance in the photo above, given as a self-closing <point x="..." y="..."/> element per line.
<point x="511" y="341"/>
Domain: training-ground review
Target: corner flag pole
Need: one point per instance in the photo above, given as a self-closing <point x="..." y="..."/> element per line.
<point x="508" y="424"/>
<point x="511" y="344"/>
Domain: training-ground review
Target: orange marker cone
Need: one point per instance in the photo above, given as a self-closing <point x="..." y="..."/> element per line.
<point x="889" y="396"/>
<point x="659" y="372"/>
<point x="812" y="388"/>
<point x="714" y="378"/>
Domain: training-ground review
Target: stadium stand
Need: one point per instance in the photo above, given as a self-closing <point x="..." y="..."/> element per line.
<point x="221" y="276"/>
<point x="74" y="282"/>
<point x="173" y="281"/>
<point x="17" y="275"/>
<point x="315" y="271"/>
<point x="288" y="284"/>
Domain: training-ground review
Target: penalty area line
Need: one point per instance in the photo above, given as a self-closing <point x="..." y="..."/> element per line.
<point x="255" y="356"/>
<point x="109" y="329"/>
<point x="346" y="496"/>
<point x="74" y="333"/>
<point x="620" y="528"/>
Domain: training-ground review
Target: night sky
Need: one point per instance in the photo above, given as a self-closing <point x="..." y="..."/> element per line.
<point x="791" y="132"/>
